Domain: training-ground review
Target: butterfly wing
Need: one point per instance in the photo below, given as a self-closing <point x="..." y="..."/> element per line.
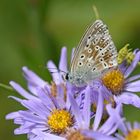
<point x="95" y="52"/>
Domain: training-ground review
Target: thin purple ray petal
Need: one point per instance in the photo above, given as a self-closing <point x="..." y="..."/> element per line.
<point x="133" y="65"/>
<point x="76" y="111"/>
<point x="22" y="91"/>
<point x="128" y="98"/>
<point x="31" y="117"/>
<point x="133" y="78"/>
<point x="63" y="60"/>
<point x="57" y="78"/>
<point x="99" y="111"/>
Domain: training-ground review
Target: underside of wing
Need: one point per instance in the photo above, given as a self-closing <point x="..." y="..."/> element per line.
<point x="96" y="51"/>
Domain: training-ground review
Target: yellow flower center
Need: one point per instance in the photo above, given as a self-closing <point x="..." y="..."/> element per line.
<point x="113" y="80"/>
<point x="59" y="120"/>
<point x="133" y="135"/>
<point x="77" y="136"/>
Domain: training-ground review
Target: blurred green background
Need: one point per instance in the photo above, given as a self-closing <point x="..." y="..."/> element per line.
<point x="33" y="32"/>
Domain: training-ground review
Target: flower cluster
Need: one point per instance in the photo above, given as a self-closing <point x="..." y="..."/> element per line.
<point x="61" y="111"/>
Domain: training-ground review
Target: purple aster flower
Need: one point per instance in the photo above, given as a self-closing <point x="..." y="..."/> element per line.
<point x="44" y="103"/>
<point x="127" y="131"/>
<point x="86" y="129"/>
<point x="121" y="85"/>
<point x="130" y="131"/>
<point x="48" y="112"/>
<point x="52" y="112"/>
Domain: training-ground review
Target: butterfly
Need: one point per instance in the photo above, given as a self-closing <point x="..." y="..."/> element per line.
<point x="95" y="54"/>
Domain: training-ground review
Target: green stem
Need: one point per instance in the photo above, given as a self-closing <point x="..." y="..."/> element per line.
<point x="6" y="87"/>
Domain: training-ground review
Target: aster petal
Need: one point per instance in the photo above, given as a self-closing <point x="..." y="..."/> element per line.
<point x="107" y="94"/>
<point x="123" y="66"/>
<point x="136" y="51"/>
<point x="31" y="117"/>
<point x="61" y="96"/>
<point x="119" y="136"/>
<point x="114" y="128"/>
<point x="63" y="60"/>
<point x="33" y="80"/>
<point x="22" y="91"/>
<point x="106" y="126"/>
<point x="133" y="78"/>
<point x="45" y="98"/>
<point x="36" y="107"/>
<point x="19" y="120"/>
<point x="54" y="72"/>
<point x="24" y="128"/>
<point x="111" y="125"/>
<point x="15" y="98"/>
<point x="19" y="131"/>
<point x="76" y="112"/>
<point x="94" y="96"/>
<point x="12" y="115"/>
<point x="32" y="77"/>
<point x="99" y="111"/>
<point x="33" y="88"/>
<point x="129" y="127"/>
<point x="69" y="92"/>
<point x="133" y="65"/>
<point x="45" y="136"/>
<point x="97" y="135"/>
<point x="136" y="125"/>
<point x="128" y="98"/>
<point x="85" y="106"/>
<point x="116" y="115"/>
<point x="27" y="125"/>
<point x="133" y="86"/>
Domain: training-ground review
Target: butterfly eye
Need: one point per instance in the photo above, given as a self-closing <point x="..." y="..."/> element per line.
<point x="67" y="76"/>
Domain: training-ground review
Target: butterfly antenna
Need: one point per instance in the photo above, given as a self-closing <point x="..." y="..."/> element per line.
<point x="57" y="70"/>
<point x="96" y="12"/>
